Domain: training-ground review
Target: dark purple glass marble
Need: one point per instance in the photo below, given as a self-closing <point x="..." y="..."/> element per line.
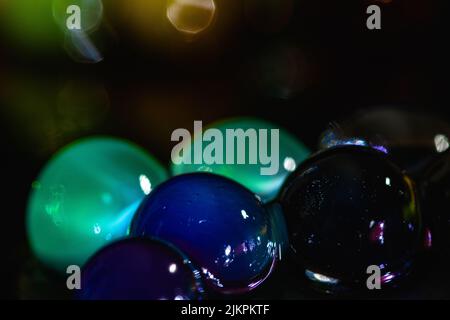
<point x="140" y="269"/>
<point x="348" y="208"/>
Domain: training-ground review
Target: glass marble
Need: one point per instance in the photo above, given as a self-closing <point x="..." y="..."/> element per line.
<point x="219" y="224"/>
<point x="435" y="191"/>
<point x="348" y="208"/>
<point x="140" y="269"/>
<point x="85" y="197"/>
<point x="411" y="138"/>
<point x="291" y="153"/>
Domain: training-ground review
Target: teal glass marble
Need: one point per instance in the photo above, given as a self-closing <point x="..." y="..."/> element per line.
<point x="85" y="197"/>
<point x="291" y="152"/>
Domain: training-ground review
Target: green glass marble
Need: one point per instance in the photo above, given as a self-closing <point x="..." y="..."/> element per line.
<point x="290" y="153"/>
<point x="86" y="196"/>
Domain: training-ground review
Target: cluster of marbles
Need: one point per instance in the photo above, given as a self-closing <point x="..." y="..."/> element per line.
<point x="352" y="207"/>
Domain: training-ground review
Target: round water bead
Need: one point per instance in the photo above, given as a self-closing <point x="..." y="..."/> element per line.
<point x="349" y="208"/>
<point x="219" y="224"/>
<point x="411" y="138"/>
<point x="435" y="190"/>
<point x="140" y="269"/>
<point x="283" y="156"/>
<point x="85" y="197"/>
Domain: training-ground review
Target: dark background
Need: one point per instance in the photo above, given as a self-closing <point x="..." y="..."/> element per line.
<point x="301" y="64"/>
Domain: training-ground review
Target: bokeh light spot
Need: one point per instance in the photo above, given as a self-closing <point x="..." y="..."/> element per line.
<point x="191" y="16"/>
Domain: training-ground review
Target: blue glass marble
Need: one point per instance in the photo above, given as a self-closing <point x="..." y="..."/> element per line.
<point x="349" y="208"/>
<point x="140" y="269"/>
<point x="219" y="224"/>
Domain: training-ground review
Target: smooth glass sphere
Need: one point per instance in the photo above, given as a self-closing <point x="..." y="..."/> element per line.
<point x="140" y="269"/>
<point x="85" y="197"/>
<point x="291" y="153"/>
<point x="411" y="138"/>
<point x="220" y="225"/>
<point x="349" y="208"/>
